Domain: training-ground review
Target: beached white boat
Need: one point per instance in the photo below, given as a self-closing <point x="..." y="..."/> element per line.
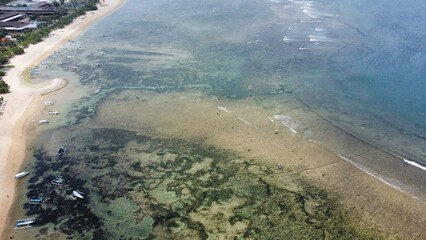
<point x="21" y="174"/>
<point x="44" y="121"/>
<point x="78" y="194"/>
<point x="24" y="223"/>
<point x="49" y="103"/>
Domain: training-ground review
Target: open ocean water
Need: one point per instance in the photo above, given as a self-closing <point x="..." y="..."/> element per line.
<point x="359" y="66"/>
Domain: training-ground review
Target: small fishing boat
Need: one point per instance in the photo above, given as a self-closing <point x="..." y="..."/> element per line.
<point x="57" y="181"/>
<point x="97" y="91"/>
<point x="44" y="121"/>
<point x="52" y="113"/>
<point x="24" y="223"/>
<point x="61" y="150"/>
<point x="36" y="200"/>
<point x="21" y="175"/>
<point x="78" y="194"/>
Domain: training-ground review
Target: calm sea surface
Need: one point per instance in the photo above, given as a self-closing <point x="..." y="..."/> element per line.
<point x="359" y="65"/>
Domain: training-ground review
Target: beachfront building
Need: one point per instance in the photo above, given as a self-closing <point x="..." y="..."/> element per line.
<point x="16" y="16"/>
<point x="15" y="21"/>
<point x="29" y="7"/>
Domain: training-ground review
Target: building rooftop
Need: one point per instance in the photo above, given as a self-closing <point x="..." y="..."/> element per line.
<point x="17" y="26"/>
<point x="38" y="7"/>
<point x="6" y="16"/>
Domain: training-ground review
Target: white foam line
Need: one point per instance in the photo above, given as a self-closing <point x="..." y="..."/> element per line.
<point x="244" y="121"/>
<point x="315" y="38"/>
<point x="414" y="164"/>
<point x="301" y="2"/>
<point x="319" y="30"/>
<point x="313" y="14"/>
<point x="283" y="120"/>
<point x="289" y="128"/>
<point x="271" y="119"/>
<point x="286" y="39"/>
<point x="376" y="176"/>
<point x="224" y="109"/>
<point x="280" y="117"/>
<point x="309" y="13"/>
<point x="310" y="21"/>
<point x="370" y="174"/>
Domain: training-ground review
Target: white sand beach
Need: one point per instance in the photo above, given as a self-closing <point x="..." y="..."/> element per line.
<point x="24" y="102"/>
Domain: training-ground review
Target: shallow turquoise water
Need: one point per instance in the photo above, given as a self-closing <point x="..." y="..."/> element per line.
<point x="360" y="65"/>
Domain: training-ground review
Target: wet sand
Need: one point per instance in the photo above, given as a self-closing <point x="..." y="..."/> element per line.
<point x="244" y="127"/>
<point x="25" y="102"/>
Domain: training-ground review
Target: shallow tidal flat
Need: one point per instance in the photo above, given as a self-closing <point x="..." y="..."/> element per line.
<point x="174" y="165"/>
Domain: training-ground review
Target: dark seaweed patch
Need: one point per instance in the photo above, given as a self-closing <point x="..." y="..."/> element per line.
<point x="173" y="190"/>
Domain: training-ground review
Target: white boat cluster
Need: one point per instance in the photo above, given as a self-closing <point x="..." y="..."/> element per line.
<point x="49" y="113"/>
<point x="76" y="194"/>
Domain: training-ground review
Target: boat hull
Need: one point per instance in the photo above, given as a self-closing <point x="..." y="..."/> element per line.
<point x="21" y="175"/>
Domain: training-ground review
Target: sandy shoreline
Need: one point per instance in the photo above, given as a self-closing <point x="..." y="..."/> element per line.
<point x="24" y="102"/>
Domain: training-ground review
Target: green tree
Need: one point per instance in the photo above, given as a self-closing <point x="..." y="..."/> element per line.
<point x="17" y="50"/>
<point x="3" y="33"/>
<point x="4" y="88"/>
<point x="3" y="59"/>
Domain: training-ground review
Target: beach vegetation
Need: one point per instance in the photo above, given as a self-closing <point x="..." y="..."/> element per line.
<point x="3" y="33"/>
<point x="4" y="2"/>
<point x="3" y="58"/>
<point x="17" y="50"/>
<point x="4" y="87"/>
<point x="31" y="37"/>
<point x="63" y="16"/>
